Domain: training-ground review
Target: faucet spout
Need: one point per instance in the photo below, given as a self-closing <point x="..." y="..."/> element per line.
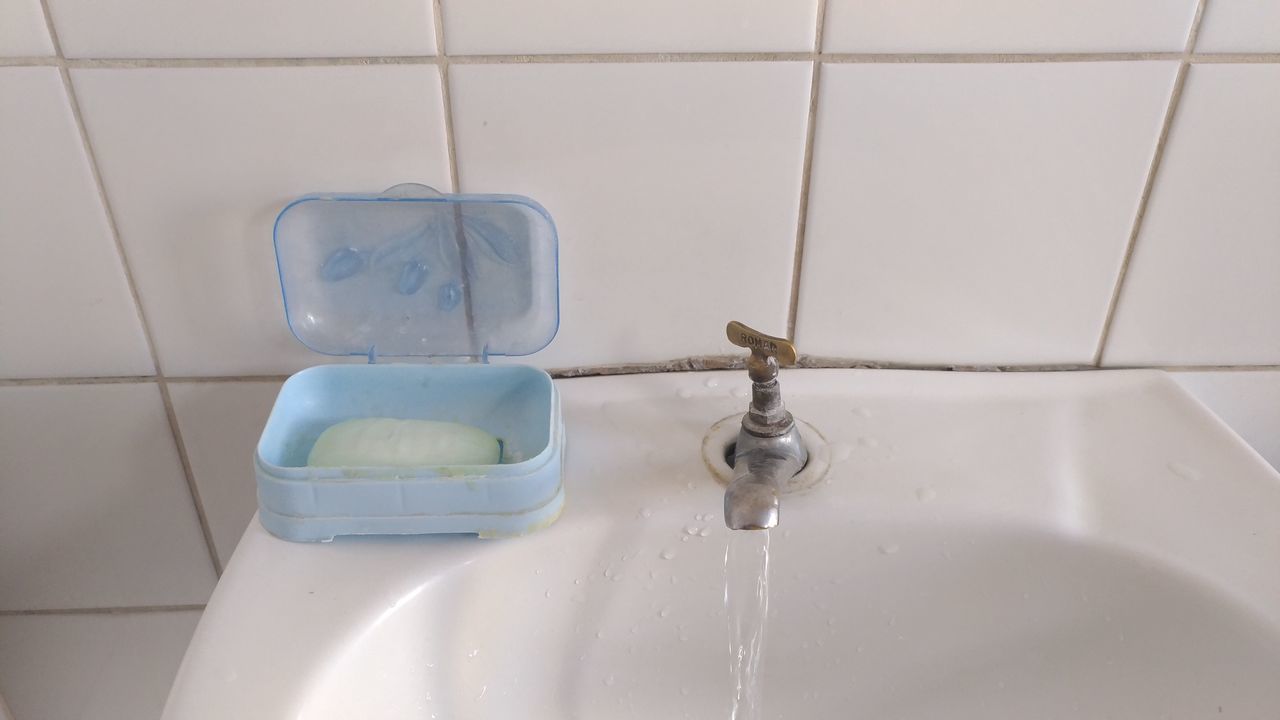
<point x="761" y="466"/>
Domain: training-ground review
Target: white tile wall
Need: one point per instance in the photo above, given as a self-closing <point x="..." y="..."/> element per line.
<point x="94" y="510"/>
<point x="243" y="28"/>
<point x="1240" y="26"/>
<point x="972" y="213"/>
<point x="674" y="188"/>
<point x="1204" y="286"/>
<point x="198" y="162"/>
<point x="22" y="29"/>
<point x="220" y="425"/>
<point x="104" y="667"/>
<point x="589" y="26"/>
<point x="989" y="26"/>
<point x="65" y="308"/>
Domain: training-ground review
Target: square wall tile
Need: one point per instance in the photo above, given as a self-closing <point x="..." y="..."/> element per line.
<point x="1248" y="401"/>
<point x="590" y="26"/>
<point x="221" y="423"/>
<point x="243" y="28"/>
<point x="674" y="187"/>
<point x="104" y="667"/>
<point x="970" y="213"/>
<point x="65" y="308"/>
<point x="1203" y="285"/>
<point x="197" y="163"/>
<point x="22" y="29"/>
<point x="1240" y="26"/>
<point x="94" y="509"/>
<point x="1011" y="26"/>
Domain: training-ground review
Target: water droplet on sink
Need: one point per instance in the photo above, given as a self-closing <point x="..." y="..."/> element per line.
<point x="599" y="634"/>
<point x="610" y="680"/>
<point x="664" y="612"/>
<point x="684" y="538"/>
<point x="646" y="513"/>
<point x="925" y="494"/>
<point x="577" y="581"/>
<point x="1186" y="472"/>
<point x="684" y="393"/>
<point x="704" y="532"/>
<point x="547" y="594"/>
<point x="888" y="549"/>
<point x="741" y="392"/>
<point x="840" y="451"/>
<point x="711" y="382"/>
<point x="690" y="530"/>
<point x="473" y="653"/>
<point x="667" y="554"/>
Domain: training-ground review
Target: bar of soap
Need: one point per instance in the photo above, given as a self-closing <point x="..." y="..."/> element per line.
<point x="388" y="442"/>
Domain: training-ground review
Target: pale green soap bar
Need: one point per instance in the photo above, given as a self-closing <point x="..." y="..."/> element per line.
<point x="388" y="442"/>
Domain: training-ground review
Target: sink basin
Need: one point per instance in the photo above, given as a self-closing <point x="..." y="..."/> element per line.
<point x="1048" y="545"/>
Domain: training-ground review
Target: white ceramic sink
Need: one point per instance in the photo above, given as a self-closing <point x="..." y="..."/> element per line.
<point x="1062" y="545"/>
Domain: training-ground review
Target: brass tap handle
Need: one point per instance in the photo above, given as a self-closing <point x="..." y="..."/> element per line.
<point x="767" y="351"/>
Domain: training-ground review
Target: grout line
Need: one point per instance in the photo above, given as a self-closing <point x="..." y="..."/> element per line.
<point x="104" y="380"/>
<point x="655" y="57"/>
<point x="451" y="153"/>
<point x="1144" y="199"/>
<point x="735" y="362"/>
<point x="121" y="610"/>
<point x="1212" y="58"/>
<point x="189" y="474"/>
<point x="149" y="336"/>
<point x="687" y="57"/>
<point x="1085" y="57"/>
<point x="689" y="364"/>
<point x="225" y="379"/>
<point x="806" y="173"/>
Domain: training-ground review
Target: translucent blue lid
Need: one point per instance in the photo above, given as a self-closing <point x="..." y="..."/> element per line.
<point x="412" y="272"/>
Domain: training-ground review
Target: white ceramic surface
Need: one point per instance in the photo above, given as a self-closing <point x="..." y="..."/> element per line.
<point x="949" y="223"/>
<point x="197" y="163"/>
<point x="580" y="26"/>
<point x="22" y="29"/>
<point x="1248" y="401"/>
<point x="243" y="28"/>
<point x="990" y="546"/>
<point x="1240" y="26"/>
<point x="674" y="187"/>
<point x="94" y="510"/>
<point x="91" y="667"/>
<point x="65" y="308"/>
<point x="1043" y="26"/>
<point x="1201" y="287"/>
<point x="221" y="423"/>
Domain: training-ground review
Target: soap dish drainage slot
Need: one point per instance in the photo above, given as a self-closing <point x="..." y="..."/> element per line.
<point x="722" y="438"/>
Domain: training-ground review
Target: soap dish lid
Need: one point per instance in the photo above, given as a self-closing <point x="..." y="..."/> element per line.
<point x="412" y="272"/>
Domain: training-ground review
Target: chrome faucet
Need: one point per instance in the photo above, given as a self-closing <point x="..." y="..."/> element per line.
<point x="769" y="450"/>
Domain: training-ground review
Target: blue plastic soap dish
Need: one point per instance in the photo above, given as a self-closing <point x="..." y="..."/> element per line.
<point x="413" y="273"/>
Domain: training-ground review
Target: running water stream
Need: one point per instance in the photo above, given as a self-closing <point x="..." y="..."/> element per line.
<point x="746" y="602"/>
